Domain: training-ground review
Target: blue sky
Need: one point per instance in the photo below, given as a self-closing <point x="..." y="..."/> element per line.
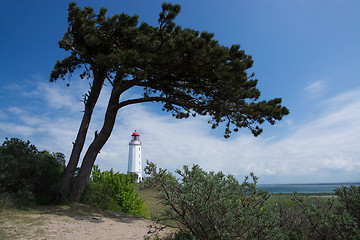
<point x="307" y="52"/>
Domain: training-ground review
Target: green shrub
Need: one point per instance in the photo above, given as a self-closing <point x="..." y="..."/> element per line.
<point x="214" y="206"/>
<point x="114" y="191"/>
<point x="320" y="219"/>
<point x="350" y="198"/>
<point x="29" y="175"/>
<point x="6" y="200"/>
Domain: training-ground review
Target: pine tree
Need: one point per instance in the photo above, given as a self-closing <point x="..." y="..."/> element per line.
<point x="189" y="72"/>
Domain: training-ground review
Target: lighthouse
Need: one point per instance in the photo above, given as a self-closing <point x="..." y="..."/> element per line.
<point x="134" y="165"/>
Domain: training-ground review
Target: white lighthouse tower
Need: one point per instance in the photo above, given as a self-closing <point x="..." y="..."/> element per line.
<point x="134" y="165"/>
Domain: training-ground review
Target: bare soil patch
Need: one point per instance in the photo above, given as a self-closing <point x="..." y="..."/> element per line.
<point x="76" y="221"/>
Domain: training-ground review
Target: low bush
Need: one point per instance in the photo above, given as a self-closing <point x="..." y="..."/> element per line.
<point x="318" y="219"/>
<point x="114" y="191"/>
<point x="350" y="198"/>
<point x="214" y="206"/>
<point x="28" y="176"/>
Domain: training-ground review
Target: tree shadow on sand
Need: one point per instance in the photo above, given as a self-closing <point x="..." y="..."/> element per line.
<point x="82" y="212"/>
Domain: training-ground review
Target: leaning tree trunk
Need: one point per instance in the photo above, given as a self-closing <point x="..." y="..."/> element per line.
<point x="99" y="78"/>
<point x="96" y="145"/>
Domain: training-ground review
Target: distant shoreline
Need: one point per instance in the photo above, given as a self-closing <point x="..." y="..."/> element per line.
<point x="311" y="188"/>
<point x="341" y="183"/>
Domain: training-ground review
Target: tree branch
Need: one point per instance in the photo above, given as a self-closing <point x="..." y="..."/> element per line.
<point x="179" y="103"/>
<point x="140" y="100"/>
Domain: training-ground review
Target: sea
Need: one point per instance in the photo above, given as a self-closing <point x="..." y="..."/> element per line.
<point x="304" y="188"/>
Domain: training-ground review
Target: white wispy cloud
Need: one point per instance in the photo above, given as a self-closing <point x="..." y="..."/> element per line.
<point x="16" y="110"/>
<point x="56" y="96"/>
<point x="324" y="149"/>
<point x="13" y="129"/>
<point x="3" y="115"/>
<point x="315" y="88"/>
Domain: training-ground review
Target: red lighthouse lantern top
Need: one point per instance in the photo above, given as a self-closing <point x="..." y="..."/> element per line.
<point x="135" y="138"/>
<point x="135" y="133"/>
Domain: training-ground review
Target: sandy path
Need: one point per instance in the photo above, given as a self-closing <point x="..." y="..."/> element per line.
<point x="72" y="222"/>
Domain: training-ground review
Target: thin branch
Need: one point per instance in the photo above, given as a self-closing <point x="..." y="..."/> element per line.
<point x="72" y="47"/>
<point x="111" y="82"/>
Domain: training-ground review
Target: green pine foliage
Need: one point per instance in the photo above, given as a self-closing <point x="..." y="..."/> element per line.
<point x="114" y="191"/>
<point x="27" y="175"/>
